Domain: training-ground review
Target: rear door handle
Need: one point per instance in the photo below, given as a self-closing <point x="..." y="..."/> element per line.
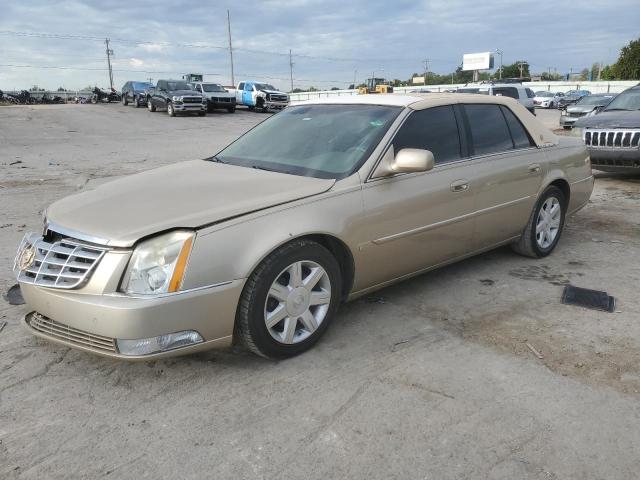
<point x="460" y="186"/>
<point x="534" y="168"/>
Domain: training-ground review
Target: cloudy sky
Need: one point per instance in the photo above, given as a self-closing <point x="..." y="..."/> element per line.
<point x="332" y="41"/>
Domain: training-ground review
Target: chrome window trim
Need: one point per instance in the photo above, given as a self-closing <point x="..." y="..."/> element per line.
<point x="389" y="143"/>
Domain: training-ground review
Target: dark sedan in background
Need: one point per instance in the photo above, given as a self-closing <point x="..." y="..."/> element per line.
<point x="585" y="106"/>
<point x="571" y="97"/>
<point x="135" y="92"/>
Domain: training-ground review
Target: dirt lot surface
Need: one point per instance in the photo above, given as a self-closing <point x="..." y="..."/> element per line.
<point x="429" y="379"/>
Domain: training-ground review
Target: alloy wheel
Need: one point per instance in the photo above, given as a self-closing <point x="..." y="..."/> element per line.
<point x="297" y="302"/>
<point x="548" y="222"/>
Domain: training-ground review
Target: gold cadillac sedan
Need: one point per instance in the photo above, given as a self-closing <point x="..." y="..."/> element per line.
<point x="321" y="203"/>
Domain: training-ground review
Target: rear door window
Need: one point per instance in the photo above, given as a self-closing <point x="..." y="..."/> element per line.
<point x="506" y="92"/>
<point x="488" y="129"/>
<point x="521" y="138"/>
<point x="433" y="129"/>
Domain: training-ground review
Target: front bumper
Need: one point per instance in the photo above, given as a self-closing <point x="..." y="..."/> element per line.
<point x="566" y="121"/>
<point x="189" y="107"/>
<point x="275" y="105"/>
<point x="75" y="318"/>
<point x="615" y="160"/>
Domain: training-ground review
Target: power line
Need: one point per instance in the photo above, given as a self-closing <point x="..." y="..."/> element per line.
<point x="65" y="36"/>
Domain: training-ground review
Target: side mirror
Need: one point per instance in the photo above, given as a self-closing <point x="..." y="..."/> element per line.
<point x="407" y="160"/>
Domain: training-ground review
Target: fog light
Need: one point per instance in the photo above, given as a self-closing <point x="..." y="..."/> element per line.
<point x="163" y="343"/>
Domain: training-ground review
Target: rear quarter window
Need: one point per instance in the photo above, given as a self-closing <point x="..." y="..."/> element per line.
<point x="521" y="139"/>
<point x="530" y="93"/>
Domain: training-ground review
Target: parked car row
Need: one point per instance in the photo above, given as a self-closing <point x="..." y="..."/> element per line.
<point x="180" y="96"/>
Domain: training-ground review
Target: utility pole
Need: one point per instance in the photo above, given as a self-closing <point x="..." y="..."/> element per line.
<point x="522" y="64"/>
<point x="109" y="53"/>
<point x="500" y="52"/>
<point x="233" y="80"/>
<point x="426" y="69"/>
<point x="291" y="69"/>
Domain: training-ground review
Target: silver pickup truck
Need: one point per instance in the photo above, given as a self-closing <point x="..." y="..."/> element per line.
<point x="217" y="96"/>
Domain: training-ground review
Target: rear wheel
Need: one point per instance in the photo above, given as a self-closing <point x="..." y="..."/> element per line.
<point x="150" y="106"/>
<point x="289" y="300"/>
<point x="542" y="233"/>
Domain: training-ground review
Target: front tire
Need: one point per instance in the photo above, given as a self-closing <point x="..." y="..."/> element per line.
<point x="150" y="106"/>
<point x="231" y="109"/>
<point x="543" y="231"/>
<point x="171" y="111"/>
<point x="125" y="102"/>
<point x="289" y="301"/>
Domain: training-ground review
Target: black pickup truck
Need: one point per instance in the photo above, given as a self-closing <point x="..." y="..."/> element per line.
<point x="612" y="134"/>
<point x="175" y="96"/>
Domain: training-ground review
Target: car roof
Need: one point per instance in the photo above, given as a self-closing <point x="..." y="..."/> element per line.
<point x="419" y="101"/>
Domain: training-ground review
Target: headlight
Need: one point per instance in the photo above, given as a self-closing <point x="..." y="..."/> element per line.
<point x="576" y="132"/>
<point x="176" y="98"/>
<point x="157" y="265"/>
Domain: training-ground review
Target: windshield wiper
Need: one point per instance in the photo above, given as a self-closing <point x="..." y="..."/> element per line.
<point x="257" y="167"/>
<point x="215" y="159"/>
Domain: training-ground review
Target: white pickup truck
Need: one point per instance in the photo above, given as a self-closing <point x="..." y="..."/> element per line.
<point x="217" y="96"/>
<point x="260" y="96"/>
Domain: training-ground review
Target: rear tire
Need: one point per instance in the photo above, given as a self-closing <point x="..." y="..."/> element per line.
<point x="545" y="225"/>
<point x="150" y="106"/>
<point x="282" y="313"/>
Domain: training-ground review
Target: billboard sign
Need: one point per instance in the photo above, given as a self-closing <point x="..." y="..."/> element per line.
<point x="477" y="61"/>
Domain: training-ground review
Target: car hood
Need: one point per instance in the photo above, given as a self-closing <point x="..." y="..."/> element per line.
<point x="188" y="194"/>
<point x="273" y="91"/>
<point x="581" y="108"/>
<point x="186" y="93"/>
<point x="615" y="119"/>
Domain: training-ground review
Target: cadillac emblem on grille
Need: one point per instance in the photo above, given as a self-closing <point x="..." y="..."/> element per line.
<point x="26" y="257"/>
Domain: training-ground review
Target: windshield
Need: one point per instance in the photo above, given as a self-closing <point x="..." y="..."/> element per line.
<point x="594" y="100"/>
<point x="323" y="141"/>
<point x="178" y="86"/>
<point x="212" y="87"/>
<point x="629" y="100"/>
<point x="141" y="85"/>
<point x="264" y="86"/>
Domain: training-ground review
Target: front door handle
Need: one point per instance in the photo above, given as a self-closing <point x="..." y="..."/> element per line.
<point x="460" y="186"/>
<point x="534" y="168"/>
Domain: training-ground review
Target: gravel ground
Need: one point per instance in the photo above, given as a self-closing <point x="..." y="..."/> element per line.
<point x="427" y="379"/>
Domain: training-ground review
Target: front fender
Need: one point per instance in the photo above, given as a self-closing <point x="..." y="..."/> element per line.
<point x="232" y="250"/>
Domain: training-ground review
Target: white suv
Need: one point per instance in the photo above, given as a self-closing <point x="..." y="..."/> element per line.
<point x="521" y="93"/>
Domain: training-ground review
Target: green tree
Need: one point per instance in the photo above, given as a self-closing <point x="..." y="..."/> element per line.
<point x="513" y="70"/>
<point x="607" y="73"/>
<point x="628" y="65"/>
<point x="584" y="74"/>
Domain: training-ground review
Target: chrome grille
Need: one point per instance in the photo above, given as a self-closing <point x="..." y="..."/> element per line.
<point x="63" y="263"/>
<point x="54" y="329"/>
<point x="277" y="98"/>
<point x="612" y="138"/>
